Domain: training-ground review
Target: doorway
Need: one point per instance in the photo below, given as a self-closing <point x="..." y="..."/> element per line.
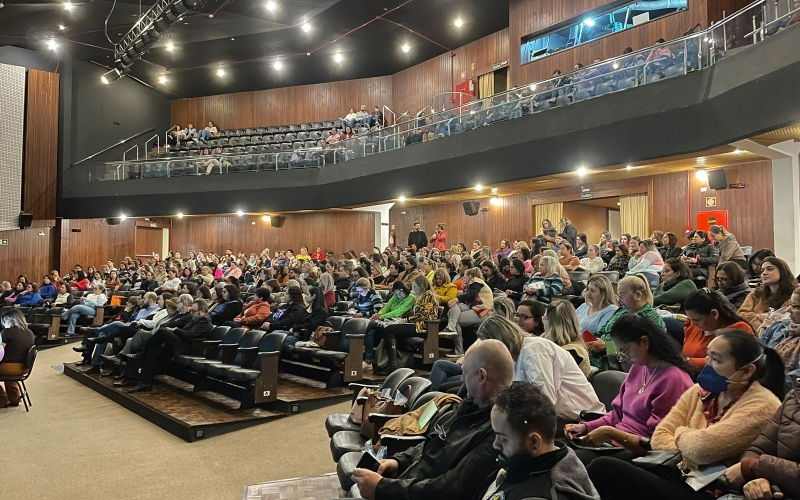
<point x="151" y="240"/>
<point x="595" y="216"/>
<point x="501" y="80"/>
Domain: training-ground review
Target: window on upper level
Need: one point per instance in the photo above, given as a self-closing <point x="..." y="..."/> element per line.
<point x="585" y="29"/>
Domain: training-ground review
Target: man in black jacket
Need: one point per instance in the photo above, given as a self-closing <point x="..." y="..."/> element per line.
<point x="164" y="344"/>
<point x="417" y="238"/>
<point x="457" y="455"/>
<point x="524" y="423"/>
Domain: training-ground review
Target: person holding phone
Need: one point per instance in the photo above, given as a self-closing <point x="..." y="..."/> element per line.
<point x="439" y="238"/>
<point x="366" y="302"/>
<point x="659" y="375"/>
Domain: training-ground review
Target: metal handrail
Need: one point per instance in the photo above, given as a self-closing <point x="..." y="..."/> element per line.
<point x="125" y="153"/>
<point x="115" y="145"/>
<point x="157" y="137"/>
<point x="394" y="116"/>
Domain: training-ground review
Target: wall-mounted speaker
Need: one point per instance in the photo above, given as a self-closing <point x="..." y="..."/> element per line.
<point x="113" y="221"/>
<point x="277" y="221"/>
<point x="471" y="207"/>
<point x="25" y="220"/>
<point x="717" y="179"/>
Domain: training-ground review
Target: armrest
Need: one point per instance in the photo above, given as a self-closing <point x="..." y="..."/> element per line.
<point x="645" y="443"/>
<point x="211" y="342"/>
<point x="356" y="335"/>
<point x="433" y="321"/>
<point x="229" y="346"/>
<point x="588" y="416"/>
<point x="248" y="349"/>
<point x="334" y="333"/>
<point x="268" y="354"/>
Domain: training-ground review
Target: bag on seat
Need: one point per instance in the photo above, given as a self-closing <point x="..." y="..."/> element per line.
<point x="376" y="403"/>
<point x="357" y="411"/>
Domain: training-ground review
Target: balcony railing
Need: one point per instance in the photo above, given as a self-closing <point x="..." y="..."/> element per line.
<point x="451" y="114"/>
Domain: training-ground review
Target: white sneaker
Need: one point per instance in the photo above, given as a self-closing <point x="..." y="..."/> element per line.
<point x="453" y="355"/>
<point x="366" y="367"/>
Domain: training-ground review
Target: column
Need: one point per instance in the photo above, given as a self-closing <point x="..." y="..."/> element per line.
<point x="786" y="203"/>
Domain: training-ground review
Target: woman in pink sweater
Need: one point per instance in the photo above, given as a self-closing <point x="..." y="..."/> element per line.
<point x="659" y="375"/>
<point x="712" y="423"/>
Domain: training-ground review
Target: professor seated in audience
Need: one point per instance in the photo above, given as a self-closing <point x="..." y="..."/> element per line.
<point x="533" y="464"/>
<point x="458" y="455"/>
<point x="659" y="375"/>
<point x="712" y="424"/>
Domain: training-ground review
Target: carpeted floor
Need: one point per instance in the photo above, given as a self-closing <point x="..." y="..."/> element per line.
<point x="75" y="443"/>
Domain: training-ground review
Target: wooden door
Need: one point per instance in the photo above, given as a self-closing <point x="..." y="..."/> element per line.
<point x="149" y="240"/>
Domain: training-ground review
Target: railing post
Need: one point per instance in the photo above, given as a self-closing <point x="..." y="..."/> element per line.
<point x="724" y="34"/>
<point x="685" y="56"/>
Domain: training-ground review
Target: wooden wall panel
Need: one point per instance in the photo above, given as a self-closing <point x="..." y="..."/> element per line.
<point x="594" y="219"/>
<point x="40" y="169"/>
<point x="530" y="16"/>
<point x="28" y="252"/>
<point x="750" y="209"/>
<point x="415" y="87"/>
<point x="283" y="106"/>
<point x="95" y="243"/>
<point x="332" y="231"/>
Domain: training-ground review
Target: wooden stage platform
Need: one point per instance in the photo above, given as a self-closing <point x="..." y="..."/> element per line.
<point x="198" y="415"/>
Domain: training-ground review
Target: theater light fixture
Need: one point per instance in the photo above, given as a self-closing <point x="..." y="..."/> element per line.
<point x="737" y="151"/>
<point x="52" y="45"/>
<point x="589" y="23"/>
<point x="114" y="74"/>
<point x="123" y="217"/>
<point x="581" y="171"/>
<point x="338" y="58"/>
<point x="459" y="22"/>
<point x="68" y="6"/>
<point x="277" y="65"/>
<point x="265" y="218"/>
<point x="533" y="86"/>
<point x="401" y="199"/>
<point x="162" y="79"/>
<point x="406" y="48"/>
<point x="479" y="187"/>
<point x="271" y="6"/>
<point x="306" y="28"/>
<point x="701" y="175"/>
<point x="170" y="47"/>
<point x="239" y="213"/>
<point x="494" y="190"/>
<point x="494" y="200"/>
<point x="220" y="72"/>
<point x="629" y="167"/>
<point x="61" y="27"/>
<point x="180" y="215"/>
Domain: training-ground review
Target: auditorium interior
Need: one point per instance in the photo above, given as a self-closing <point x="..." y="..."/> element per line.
<point x="257" y="248"/>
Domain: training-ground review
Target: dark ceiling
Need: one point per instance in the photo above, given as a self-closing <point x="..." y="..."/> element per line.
<point x="245" y="39"/>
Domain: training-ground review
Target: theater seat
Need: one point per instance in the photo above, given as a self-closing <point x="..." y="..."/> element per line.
<point x="607" y="384"/>
<point x="214" y="349"/>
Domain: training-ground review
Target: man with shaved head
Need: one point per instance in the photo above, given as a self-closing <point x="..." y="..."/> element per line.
<point x="457" y="455"/>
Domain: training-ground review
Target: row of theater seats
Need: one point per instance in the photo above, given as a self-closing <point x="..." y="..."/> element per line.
<point x="348" y="439"/>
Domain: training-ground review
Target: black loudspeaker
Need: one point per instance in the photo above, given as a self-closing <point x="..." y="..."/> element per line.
<point x="472" y="207"/>
<point x="277" y="221"/>
<point x="25" y="220"/>
<point x="717" y="179"/>
<point x="113" y="221"/>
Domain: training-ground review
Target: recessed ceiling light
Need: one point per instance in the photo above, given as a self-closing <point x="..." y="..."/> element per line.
<point x="495" y="201"/>
<point x="479" y="187"/>
<point x="170" y="46"/>
<point x="180" y="215"/>
<point x="701" y="175"/>
<point x="589" y="22"/>
<point x="737" y="151"/>
<point x="459" y="22"/>
<point x="581" y="171"/>
<point x="62" y="27"/>
<point x="232" y="39"/>
<point x="494" y="190"/>
<point x="338" y="58"/>
<point x="68" y="6"/>
<point x="265" y="218"/>
<point x="106" y="81"/>
<point x="220" y="72"/>
<point x="52" y="44"/>
<point x="271" y="6"/>
<point x="239" y="213"/>
<point x="629" y="167"/>
<point x="406" y="48"/>
<point x="306" y="27"/>
<point x="277" y="65"/>
<point x="401" y="199"/>
<point x="123" y="217"/>
<point x="162" y="79"/>
<point x="701" y="159"/>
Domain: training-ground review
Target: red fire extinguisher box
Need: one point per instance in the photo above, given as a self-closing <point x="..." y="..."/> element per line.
<point x="465" y="91"/>
<point x="708" y="218"/>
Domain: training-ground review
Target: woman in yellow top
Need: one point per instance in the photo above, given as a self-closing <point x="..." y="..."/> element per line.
<point x="427" y="268"/>
<point x="712" y="424"/>
<point x="426" y="308"/>
<point x="775" y="293"/>
<point x="303" y="255"/>
<point x="443" y="287"/>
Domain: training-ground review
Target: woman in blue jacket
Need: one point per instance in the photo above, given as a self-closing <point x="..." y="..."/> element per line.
<point x="229" y="307"/>
<point x="48" y="290"/>
<point x="30" y="297"/>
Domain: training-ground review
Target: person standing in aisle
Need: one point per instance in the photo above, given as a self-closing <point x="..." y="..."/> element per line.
<point x="417" y="238"/>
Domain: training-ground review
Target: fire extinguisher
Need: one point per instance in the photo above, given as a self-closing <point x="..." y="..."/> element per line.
<point x="391" y="238"/>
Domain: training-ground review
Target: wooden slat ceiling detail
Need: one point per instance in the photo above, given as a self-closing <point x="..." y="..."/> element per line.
<point x="780" y="135"/>
<point x="722" y="156"/>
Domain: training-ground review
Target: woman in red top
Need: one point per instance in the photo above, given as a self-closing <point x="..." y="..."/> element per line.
<point x="707" y="311"/>
<point x="81" y="283"/>
<point x="318" y="254"/>
<point x="439" y="238"/>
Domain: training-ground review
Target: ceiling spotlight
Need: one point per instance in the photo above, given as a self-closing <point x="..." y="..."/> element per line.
<point x="406" y="48"/>
<point x="162" y="79"/>
<point x="265" y="218"/>
<point x="61" y="27"/>
<point x="271" y="6"/>
<point x="581" y="171"/>
<point x="123" y="217"/>
<point x="494" y="190"/>
<point x="495" y="201"/>
<point x="68" y="6"/>
<point x="114" y="74"/>
<point x="737" y="151"/>
<point x="479" y="187"/>
<point x="220" y="72"/>
<point x="629" y="167"/>
<point x="52" y="44"/>
<point x="701" y="175"/>
<point x="306" y="27"/>
<point x="239" y="213"/>
<point x="459" y="22"/>
<point x="401" y="199"/>
<point x="589" y="23"/>
<point x="170" y="46"/>
<point x="277" y="65"/>
<point x="180" y="215"/>
<point x="701" y="159"/>
<point x="338" y="58"/>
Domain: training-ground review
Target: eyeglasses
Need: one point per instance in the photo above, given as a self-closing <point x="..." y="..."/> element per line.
<point x="621" y="296"/>
<point x="522" y="317"/>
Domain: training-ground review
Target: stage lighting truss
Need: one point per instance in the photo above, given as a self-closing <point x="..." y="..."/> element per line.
<point x="152" y="25"/>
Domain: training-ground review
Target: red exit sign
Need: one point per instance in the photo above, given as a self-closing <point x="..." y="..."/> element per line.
<point x="738" y="185"/>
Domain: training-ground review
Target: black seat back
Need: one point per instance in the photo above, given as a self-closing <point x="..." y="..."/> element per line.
<point x="271" y="342"/>
<point x="337" y="322"/>
<point x="396" y="378"/>
<point x="354" y="326"/>
<point x="218" y="333"/>
<point x="36" y="315"/>
<point x="613" y="276"/>
<point x="249" y="339"/>
<point x="413" y="388"/>
<point x="607" y="384"/>
<point x="423" y="399"/>
<point x="232" y="336"/>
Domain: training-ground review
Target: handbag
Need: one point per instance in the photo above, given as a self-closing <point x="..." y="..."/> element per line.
<point x="357" y="410"/>
<point x="319" y="337"/>
<point x="376" y="403"/>
<point x="667" y="464"/>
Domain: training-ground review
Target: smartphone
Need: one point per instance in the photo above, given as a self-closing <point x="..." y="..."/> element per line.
<point x="368" y="462"/>
<point x="351" y="311"/>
